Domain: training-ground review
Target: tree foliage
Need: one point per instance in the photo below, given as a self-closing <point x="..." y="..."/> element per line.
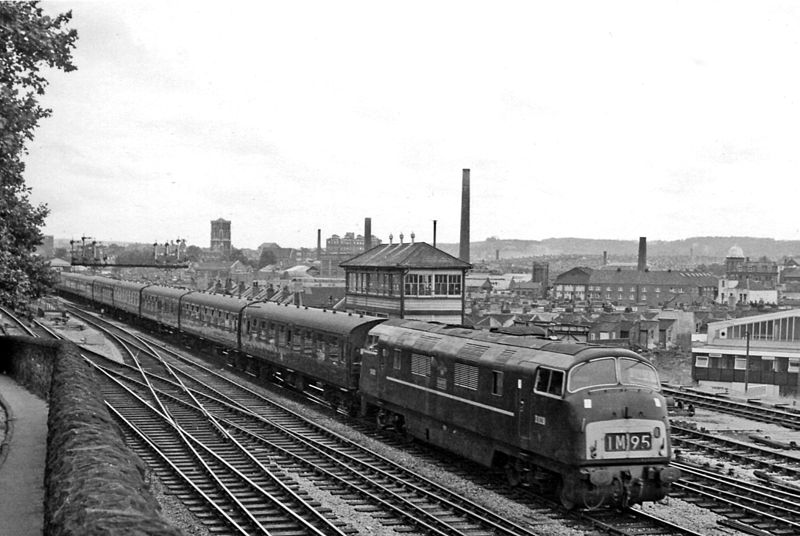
<point x="30" y="41"/>
<point x="267" y="258"/>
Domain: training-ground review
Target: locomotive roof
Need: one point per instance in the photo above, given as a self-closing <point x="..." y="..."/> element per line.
<point x="480" y="345"/>
<point x="317" y="319"/>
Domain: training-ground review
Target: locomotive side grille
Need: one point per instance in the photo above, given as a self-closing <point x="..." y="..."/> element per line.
<point x="421" y="365"/>
<point x="507" y="354"/>
<point x="472" y="350"/>
<point x="466" y="376"/>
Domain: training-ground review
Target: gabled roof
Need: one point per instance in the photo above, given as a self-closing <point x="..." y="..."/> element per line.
<point x="579" y="275"/>
<point x="410" y="255"/>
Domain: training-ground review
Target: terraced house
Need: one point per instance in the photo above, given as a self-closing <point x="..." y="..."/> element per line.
<point x="634" y="287"/>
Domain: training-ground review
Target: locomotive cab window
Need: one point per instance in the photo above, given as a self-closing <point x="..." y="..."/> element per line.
<point x="397" y="362"/>
<point x="549" y="382"/>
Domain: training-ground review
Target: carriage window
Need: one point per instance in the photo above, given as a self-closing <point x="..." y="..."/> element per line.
<point x="333" y="348"/>
<point x="794" y="365"/>
<point x="308" y="343"/>
<point x="593" y="373"/>
<point x="281" y="336"/>
<point x="397" y="363"/>
<point x="701" y="361"/>
<point x="633" y="372"/>
<point x="549" y="381"/>
<point x="497" y="383"/>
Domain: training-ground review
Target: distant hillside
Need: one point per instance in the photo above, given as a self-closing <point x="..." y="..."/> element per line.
<point x="710" y="247"/>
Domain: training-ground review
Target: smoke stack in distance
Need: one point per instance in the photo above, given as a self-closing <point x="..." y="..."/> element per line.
<point x="319" y="244"/>
<point x="642" y="264"/>
<point x="367" y="234"/>
<point x="464" y="245"/>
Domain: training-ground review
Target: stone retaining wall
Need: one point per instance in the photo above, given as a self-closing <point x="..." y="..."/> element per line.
<point x="29" y="362"/>
<point x="93" y="483"/>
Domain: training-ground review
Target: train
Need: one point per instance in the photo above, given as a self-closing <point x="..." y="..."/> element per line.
<point x="583" y="422"/>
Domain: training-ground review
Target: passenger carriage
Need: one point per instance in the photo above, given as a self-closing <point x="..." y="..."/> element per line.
<point x="162" y="305"/>
<point x="79" y="285"/>
<point x="127" y="296"/>
<point x="211" y="317"/>
<point x="318" y="346"/>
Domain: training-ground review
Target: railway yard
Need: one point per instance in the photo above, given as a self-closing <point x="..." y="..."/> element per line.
<point x="229" y="455"/>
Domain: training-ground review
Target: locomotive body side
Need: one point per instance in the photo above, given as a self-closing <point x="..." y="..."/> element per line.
<point x="508" y="402"/>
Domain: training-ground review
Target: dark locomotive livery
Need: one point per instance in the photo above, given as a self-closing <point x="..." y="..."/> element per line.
<point x="587" y="422"/>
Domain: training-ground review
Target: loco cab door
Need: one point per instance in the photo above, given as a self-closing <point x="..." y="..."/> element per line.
<point x="524" y="409"/>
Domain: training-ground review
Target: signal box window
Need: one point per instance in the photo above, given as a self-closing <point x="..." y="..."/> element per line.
<point x="550" y="382"/>
<point x="497" y="383"/>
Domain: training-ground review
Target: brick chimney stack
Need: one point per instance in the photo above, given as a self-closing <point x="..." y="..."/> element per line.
<point x="367" y="234"/>
<point x="464" y="244"/>
<point x="642" y="264"/>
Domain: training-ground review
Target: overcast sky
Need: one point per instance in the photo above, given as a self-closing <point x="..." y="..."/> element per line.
<point x="586" y="119"/>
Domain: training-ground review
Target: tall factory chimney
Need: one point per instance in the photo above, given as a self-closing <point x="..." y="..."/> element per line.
<point x="642" y="265"/>
<point x="367" y="234"/>
<point x="463" y="253"/>
<point x="319" y="244"/>
<point x="605" y="258"/>
<point x="434" y="233"/>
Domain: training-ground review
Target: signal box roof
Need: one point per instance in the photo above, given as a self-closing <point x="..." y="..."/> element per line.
<point x="409" y="255"/>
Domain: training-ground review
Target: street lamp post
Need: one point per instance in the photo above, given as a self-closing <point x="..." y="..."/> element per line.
<point x="746" y="361"/>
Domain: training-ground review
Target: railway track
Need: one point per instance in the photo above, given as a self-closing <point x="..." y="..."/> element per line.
<point x="16" y="326"/>
<point x="747" y="454"/>
<point x="236" y="408"/>
<point x="771" y="414"/>
<point x="278" y="436"/>
<point x="773" y="511"/>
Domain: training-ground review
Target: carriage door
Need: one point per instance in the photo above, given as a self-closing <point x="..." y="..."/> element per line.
<point x="524" y="402"/>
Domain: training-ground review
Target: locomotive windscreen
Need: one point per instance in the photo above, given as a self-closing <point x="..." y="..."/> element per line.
<point x="608" y="371"/>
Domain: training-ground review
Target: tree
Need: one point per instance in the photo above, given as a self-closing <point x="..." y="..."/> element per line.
<point x="30" y="41"/>
<point x="267" y="258"/>
<point x="193" y="253"/>
<point x="238" y="255"/>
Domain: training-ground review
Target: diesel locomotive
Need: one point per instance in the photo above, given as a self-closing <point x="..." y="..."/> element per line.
<point x="587" y="423"/>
